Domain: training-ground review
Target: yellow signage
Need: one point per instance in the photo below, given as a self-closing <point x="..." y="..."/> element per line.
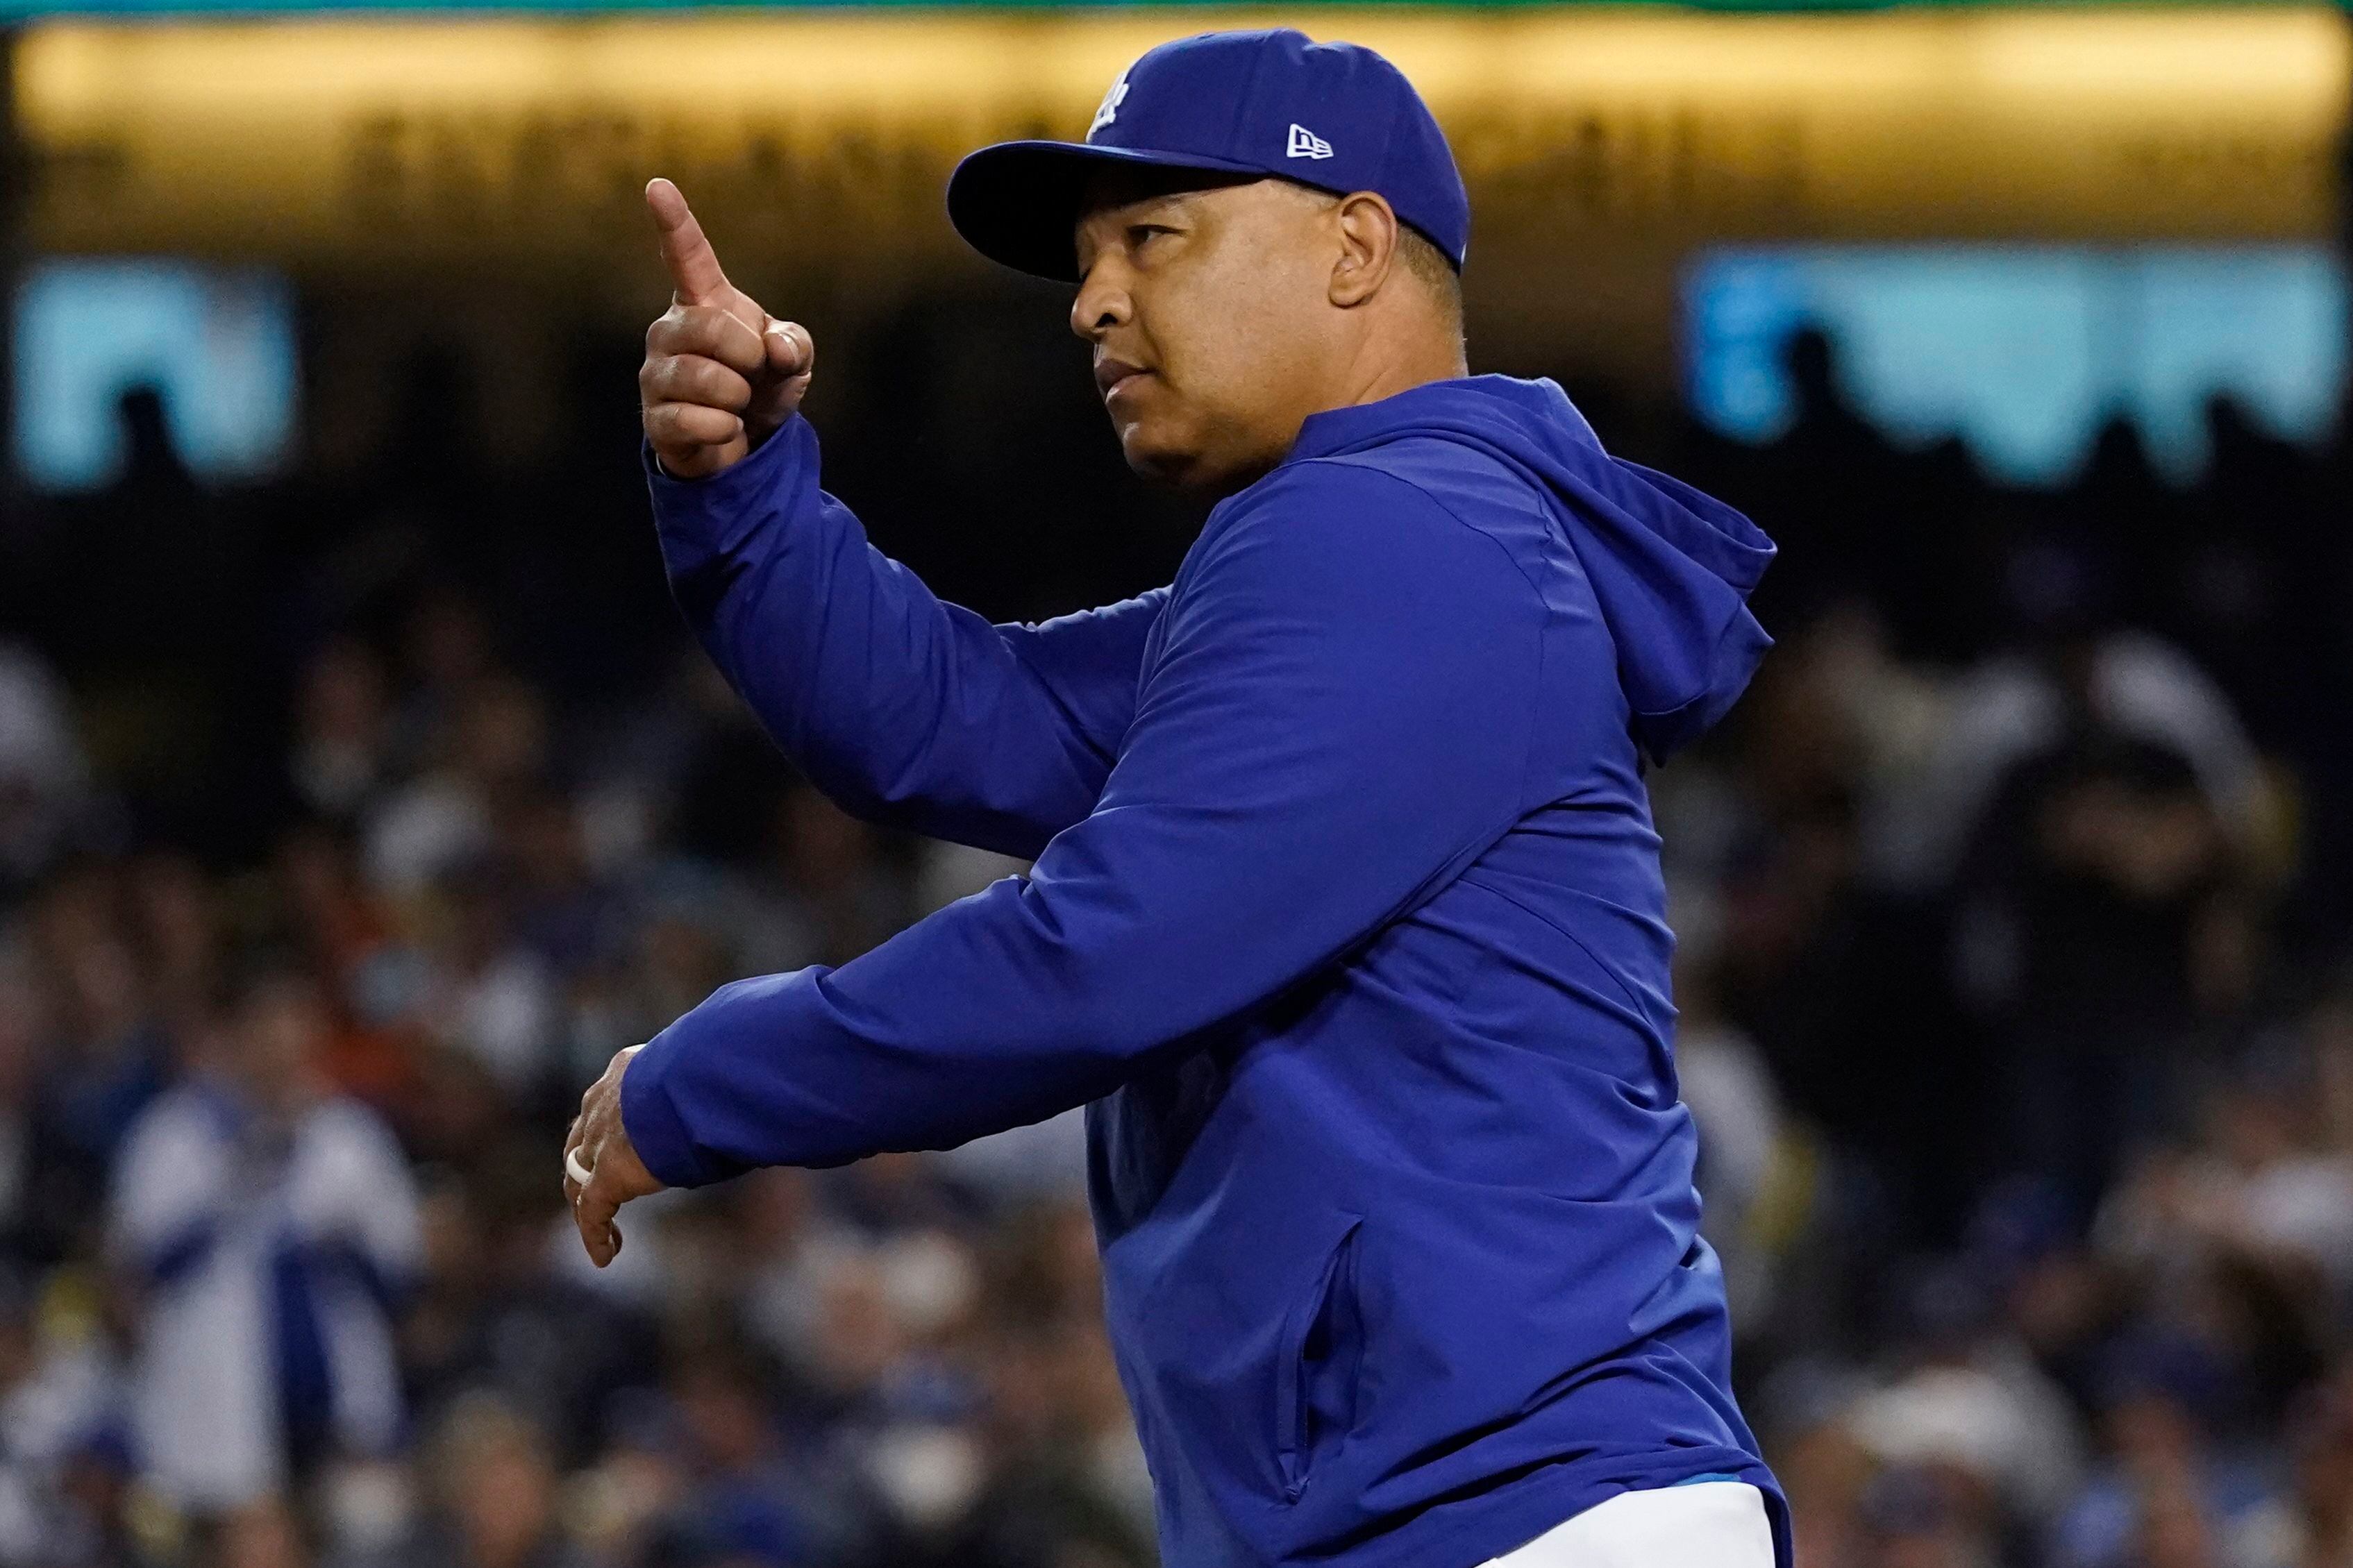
<point x="385" y="144"/>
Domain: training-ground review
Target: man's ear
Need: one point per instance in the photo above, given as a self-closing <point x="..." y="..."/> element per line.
<point x="1368" y="248"/>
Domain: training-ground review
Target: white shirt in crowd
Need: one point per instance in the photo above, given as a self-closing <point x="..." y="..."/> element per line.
<point x="267" y="1262"/>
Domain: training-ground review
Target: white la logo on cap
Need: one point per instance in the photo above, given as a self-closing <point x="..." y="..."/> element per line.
<point x="1305" y="143"/>
<point x="1108" y="111"/>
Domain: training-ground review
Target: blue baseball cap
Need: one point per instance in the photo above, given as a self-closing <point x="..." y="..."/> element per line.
<point x="1271" y="102"/>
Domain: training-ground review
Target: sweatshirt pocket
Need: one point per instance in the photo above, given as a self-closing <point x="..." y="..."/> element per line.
<point x="1323" y="1354"/>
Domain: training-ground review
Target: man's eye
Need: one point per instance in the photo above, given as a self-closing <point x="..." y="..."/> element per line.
<point x="1138" y="234"/>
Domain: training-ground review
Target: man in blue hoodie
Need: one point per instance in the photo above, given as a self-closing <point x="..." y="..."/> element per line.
<point x="1347" y="921"/>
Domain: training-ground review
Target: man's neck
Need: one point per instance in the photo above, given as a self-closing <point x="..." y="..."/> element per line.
<point x="1424" y="358"/>
<point x="1374" y="378"/>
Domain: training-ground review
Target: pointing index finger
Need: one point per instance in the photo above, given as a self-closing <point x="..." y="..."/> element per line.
<point x="693" y="265"/>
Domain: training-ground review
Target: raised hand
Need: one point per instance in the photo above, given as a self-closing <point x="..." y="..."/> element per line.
<point x="720" y="373"/>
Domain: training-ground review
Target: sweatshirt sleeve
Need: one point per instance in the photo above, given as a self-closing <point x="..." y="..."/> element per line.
<point x="1340" y="720"/>
<point x="905" y="710"/>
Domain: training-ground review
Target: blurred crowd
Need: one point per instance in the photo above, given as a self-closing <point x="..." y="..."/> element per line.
<point x="349" y="823"/>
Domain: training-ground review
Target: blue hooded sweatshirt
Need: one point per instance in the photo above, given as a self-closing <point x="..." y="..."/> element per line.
<point x="1346" y="924"/>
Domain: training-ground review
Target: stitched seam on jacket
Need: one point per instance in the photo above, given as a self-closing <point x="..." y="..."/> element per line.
<point x="1533" y="913"/>
<point x="1520" y="802"/>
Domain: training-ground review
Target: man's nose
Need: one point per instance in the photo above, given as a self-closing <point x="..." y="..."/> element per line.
<point x="1103" y="300"/>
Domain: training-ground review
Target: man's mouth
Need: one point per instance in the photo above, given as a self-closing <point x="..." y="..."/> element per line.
<point x="1111" y="375"/>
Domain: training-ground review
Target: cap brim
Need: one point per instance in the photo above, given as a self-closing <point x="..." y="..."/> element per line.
<point x="1018" y="202"/>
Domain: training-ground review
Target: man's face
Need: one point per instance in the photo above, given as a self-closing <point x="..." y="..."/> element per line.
<point x="1208" y="307"/>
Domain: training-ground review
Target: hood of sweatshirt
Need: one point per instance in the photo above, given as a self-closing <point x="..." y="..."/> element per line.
<point x="1670" y="567"/>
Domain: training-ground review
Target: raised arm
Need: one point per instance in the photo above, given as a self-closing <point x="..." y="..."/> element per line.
<point x="903" y="709"/>
<point x="1340" y="721"/>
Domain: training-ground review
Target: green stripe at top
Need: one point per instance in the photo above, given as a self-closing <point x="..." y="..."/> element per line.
<point x="99" y="10"/>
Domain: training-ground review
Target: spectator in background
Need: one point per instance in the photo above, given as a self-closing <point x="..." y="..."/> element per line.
<point x="2170" y="1493"/>
<point x="495" y="1313"/>
<point x="746" y="1499"/>
<point x="109" y="1055"/>
<point x="447" y="652"/>
<point x="265" y="1225"/>
<point x="324" y="908"/>
<point x="490" y="754"/>
<point x="2069" y="674"/>
<point x="493" y="1496"/>
<point x="2313" y="1526"/>
<point x="1928" y="1517"/>
<point x="486" y="992"/>
<point x="2256" y="1194"/>
<point x="342" y="741"/>
<point x="1971" y="1410"/>
<point x="2105" y="928"/>
<point x="1820" y="955"/>
<point x="58" y="1441"/>
<point x="173" y="916"/>
<point x="43" y="778"/>
<point x="565" y="915"/>
<point x="24" y="1218"/>
<point x="828" y="865"/>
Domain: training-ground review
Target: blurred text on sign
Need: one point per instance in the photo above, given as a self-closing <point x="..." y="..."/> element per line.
<point x="373" y="144"/>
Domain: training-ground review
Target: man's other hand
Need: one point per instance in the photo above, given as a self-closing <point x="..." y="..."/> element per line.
<point x="720" y="373"/>
<point x="598" y="1145"/>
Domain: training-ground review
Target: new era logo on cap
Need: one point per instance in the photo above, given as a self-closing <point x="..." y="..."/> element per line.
<point x="1305" y="143"/>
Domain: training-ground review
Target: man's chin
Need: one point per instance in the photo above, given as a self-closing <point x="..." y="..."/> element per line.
<point x="1169" y="465"/>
